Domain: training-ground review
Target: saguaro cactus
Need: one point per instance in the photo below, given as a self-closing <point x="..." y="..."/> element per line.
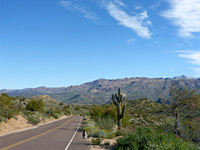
<point x="117" y="100"/>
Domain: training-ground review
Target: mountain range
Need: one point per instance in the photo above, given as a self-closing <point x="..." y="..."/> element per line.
<point x="100" y="91"/>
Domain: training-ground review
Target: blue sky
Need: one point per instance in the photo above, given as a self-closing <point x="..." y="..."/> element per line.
<point x="58" y="43"/>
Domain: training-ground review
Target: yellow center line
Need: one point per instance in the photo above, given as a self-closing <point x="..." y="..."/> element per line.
<point x="23" y="141"/>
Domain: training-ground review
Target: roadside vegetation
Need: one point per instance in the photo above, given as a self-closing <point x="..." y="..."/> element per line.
<point x="35" y="109"/>
<point x="148" y="124"/>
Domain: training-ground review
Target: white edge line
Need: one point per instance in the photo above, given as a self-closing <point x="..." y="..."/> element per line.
<point x="73" y="136"/>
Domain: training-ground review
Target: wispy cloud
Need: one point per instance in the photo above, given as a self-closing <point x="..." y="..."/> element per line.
<point x="75" y="6"/>
<point x="136" y="23"/>
<point x="194" y="58"/>
<point x="155" y="5"/>
<point x="186" y="15"/>
<point x="120" y="3"/>
<point x="131" y="41"/>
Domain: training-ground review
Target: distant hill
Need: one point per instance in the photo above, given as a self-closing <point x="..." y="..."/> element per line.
<point x="100" y="91"/>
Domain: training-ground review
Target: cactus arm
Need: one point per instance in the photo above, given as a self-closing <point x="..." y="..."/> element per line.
<point x="117" y="98"/>
<point x="123" y="111"/>
<point x="114" y="101"/>
<point x="119" y="92"/>
<point x="120" y="99"/>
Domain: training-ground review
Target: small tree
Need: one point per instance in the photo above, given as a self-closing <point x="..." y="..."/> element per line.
<point x="180" y="97"/>
<point x="117" y="100"/>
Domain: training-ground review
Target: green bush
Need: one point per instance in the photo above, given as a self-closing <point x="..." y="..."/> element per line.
<point x="120" y="132"/>
<point x="66" y="110"/>
<point x="146" y="139"/>
<point x="55" y="115"/>
<point x="88" y="125"/>
<point x="33" y="120"/>
<point x="110" y="135"/>
<point x="96" y="112"/>
<point x="95" y="132"/>
<point x="96" y="141"/>
<point x="190" y="129"/>
<point x="106" y="123"/>
<point x="8" y="107"/>
<point x="32" y="117"/>
<point x="35" y="105"/>
<point x="108" y="111"/>
<point x="3" y="119"/>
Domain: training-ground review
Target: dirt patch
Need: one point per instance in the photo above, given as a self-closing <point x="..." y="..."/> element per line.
<point x="14" y="124"/>
<point x="21" y="124"/>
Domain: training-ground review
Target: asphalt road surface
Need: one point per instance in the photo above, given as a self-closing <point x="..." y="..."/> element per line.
<point x="64" y="134"/>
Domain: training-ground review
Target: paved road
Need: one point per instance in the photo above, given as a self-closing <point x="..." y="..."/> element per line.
<point x="59" y="135"/>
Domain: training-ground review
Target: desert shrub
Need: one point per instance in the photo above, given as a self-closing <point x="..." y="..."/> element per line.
<point x="88" y="125"/>
<point x="86" y="114"/>
<point x="55" y="115"/>
<point x="58" y="112"/>
<point x="190" y="129"/>
<point x="106" y="123"/>
<point x="108" y="111"/>
<point x="96" y="141"/>
<point x="33" y="120"/>
<point x="146" y="139"/>
<point x="35" y="105"/>
<point x="125" y="119"/>
<point x="96" y="112"/>
<point x="95" y="132"/>
<point x="8" y="108"/>
<point x="102" y="133"/>
<point x="120" y="132"/>
<point x="3" y="119"/>
<point x="66" y="110"/>
<point x="32" y="117"/>
<point x="110" y="134"/>
<point x="77" y="107"/>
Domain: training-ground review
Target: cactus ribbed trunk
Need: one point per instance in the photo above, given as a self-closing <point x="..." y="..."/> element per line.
<point x="118" y="116"/>
<point x="117" y="100"/>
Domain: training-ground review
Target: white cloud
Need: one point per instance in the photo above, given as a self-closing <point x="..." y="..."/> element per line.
<point x="186" y="15"/>
<point x="136" y="23"/>
<point x="194" y="58"/>
<point x="138" y="7"/>
<point x="119" y="2"/>
<point x="131" y="41"/>
<point x="143" y="15"/>
<point x="76" y="7"/>
<point x="156" y="5"/>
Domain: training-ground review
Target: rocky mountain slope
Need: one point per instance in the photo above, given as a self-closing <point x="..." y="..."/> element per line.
<point x="100" y="91"/>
